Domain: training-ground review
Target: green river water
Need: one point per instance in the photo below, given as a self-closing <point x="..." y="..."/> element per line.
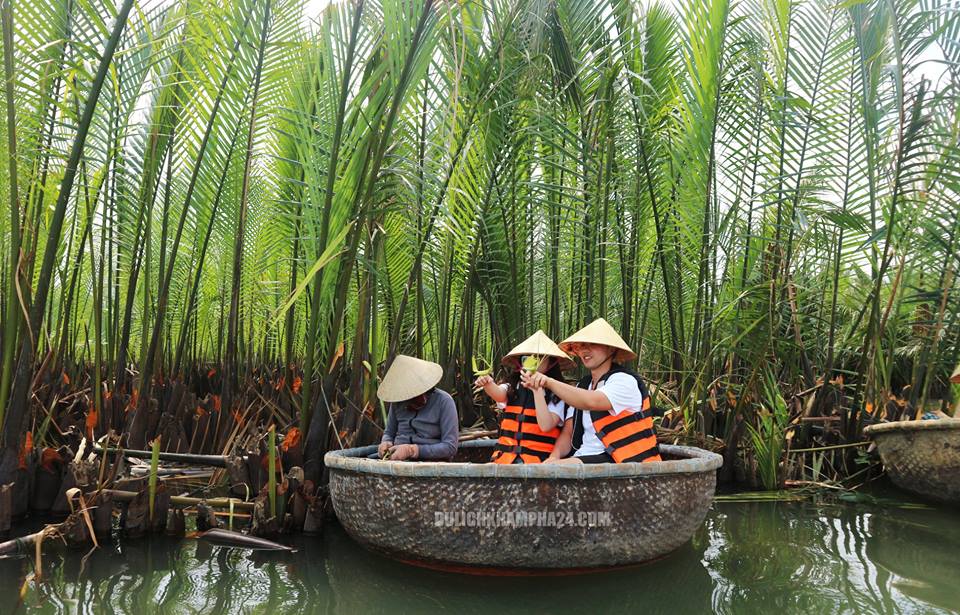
<point x="891" y="556"/>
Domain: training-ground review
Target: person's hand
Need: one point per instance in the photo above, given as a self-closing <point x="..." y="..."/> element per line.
<point x="483" y="381"/>
<point x="401" y="452"/>
<point x="552" y="460"/>
<point x="383" y="448"/>
<point x="535" y="380"/>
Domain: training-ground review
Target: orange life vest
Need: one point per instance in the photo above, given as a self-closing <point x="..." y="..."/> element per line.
<point x="628" y="436"/>
<point x="521" y="439"/>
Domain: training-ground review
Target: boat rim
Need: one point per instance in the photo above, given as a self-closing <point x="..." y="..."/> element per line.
<point x="922" y="425"/>
<point x="355" y="460"/>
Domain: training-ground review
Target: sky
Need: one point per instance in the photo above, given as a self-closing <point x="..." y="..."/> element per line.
<point x="312" y="8"/>
<point x="932" y="66"/>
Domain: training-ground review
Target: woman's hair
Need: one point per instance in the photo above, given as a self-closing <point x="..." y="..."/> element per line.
<point x="554" y="372"/>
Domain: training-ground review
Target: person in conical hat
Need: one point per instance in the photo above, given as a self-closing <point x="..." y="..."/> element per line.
<point x="610" y="421"/>
<point x="531" y="419"/>
<point x="422" y="422"/>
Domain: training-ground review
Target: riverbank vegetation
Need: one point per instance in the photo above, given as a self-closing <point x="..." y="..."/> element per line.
<point x="221" y="217"/>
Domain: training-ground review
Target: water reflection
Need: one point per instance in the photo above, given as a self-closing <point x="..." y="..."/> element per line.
<point x="918" y="555"/>
<point x="809" y="558"/>
<point x="679" y="580"/>
<point x="747" y="557"/>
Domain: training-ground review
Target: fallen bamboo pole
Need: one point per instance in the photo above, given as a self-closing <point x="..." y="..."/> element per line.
<point x="182" y="501"/>
<point x="171" y="473"/>
<point x="21" y="545"/>
<point x="476" y="435"/>
<point x="829" y="448"/>
<point x="218" y="461"/>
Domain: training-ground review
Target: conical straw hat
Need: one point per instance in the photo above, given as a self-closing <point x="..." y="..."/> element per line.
<point x="538" y="344"/>
<point x="600" y="332"/>
<point x="955" y="378"/>
<point x="407" y="378"/>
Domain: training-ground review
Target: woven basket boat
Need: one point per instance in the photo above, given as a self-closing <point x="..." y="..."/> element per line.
<point x="921" y="456"/>
<point x="489" y="518"/>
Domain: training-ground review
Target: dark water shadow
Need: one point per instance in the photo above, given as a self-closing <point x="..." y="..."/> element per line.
<point x="363" y="580"/>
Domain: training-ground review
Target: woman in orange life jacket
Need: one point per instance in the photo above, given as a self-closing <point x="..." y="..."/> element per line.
<point x="611" y="420"/>
<point x="531" y="419"/>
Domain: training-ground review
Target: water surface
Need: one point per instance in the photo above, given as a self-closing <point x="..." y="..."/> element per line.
<point x="786" y="557"/>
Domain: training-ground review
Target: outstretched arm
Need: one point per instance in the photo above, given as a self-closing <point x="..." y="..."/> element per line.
<point x="491" y="388"/>
<point x="573" y="396"/>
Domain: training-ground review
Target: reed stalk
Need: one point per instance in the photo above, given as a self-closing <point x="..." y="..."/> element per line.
<point x="272" y="470"/>
<point x="152" y="480"/>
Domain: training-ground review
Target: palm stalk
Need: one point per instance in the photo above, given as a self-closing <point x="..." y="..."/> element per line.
<point x="272" y="470"/>
<point x="17" y="412"/>
<point x="230" y="360"/>
<point x="306" y="406"/>
<point x="11" y="309"/>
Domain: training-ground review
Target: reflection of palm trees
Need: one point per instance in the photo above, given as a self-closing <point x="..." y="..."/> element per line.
<point x="215" y="579"/>
<point x="137" y="595"/>
<point x="101" y="577"/>
<point x="847" y="539"/>
<point x="764" y="556"/>
<point x="746" y="557"/>
<point x="916" y="553"/>
<point x="163" y="575"/>
<point x="758" y="565"/>
<point x="334" y="575"/>
<point x="815" y="558"/>
<point x="235" y="580"/>
<point x="172" y="593"/>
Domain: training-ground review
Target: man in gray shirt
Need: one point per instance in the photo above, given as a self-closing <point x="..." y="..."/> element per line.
<point x="422" y="421"/>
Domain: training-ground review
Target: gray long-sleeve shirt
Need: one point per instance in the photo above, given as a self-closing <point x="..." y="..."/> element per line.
<point x="435" y="428"/>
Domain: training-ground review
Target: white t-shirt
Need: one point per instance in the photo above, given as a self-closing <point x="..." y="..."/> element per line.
<point x="557" y="407"/>
<point x="624" y="395"/>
